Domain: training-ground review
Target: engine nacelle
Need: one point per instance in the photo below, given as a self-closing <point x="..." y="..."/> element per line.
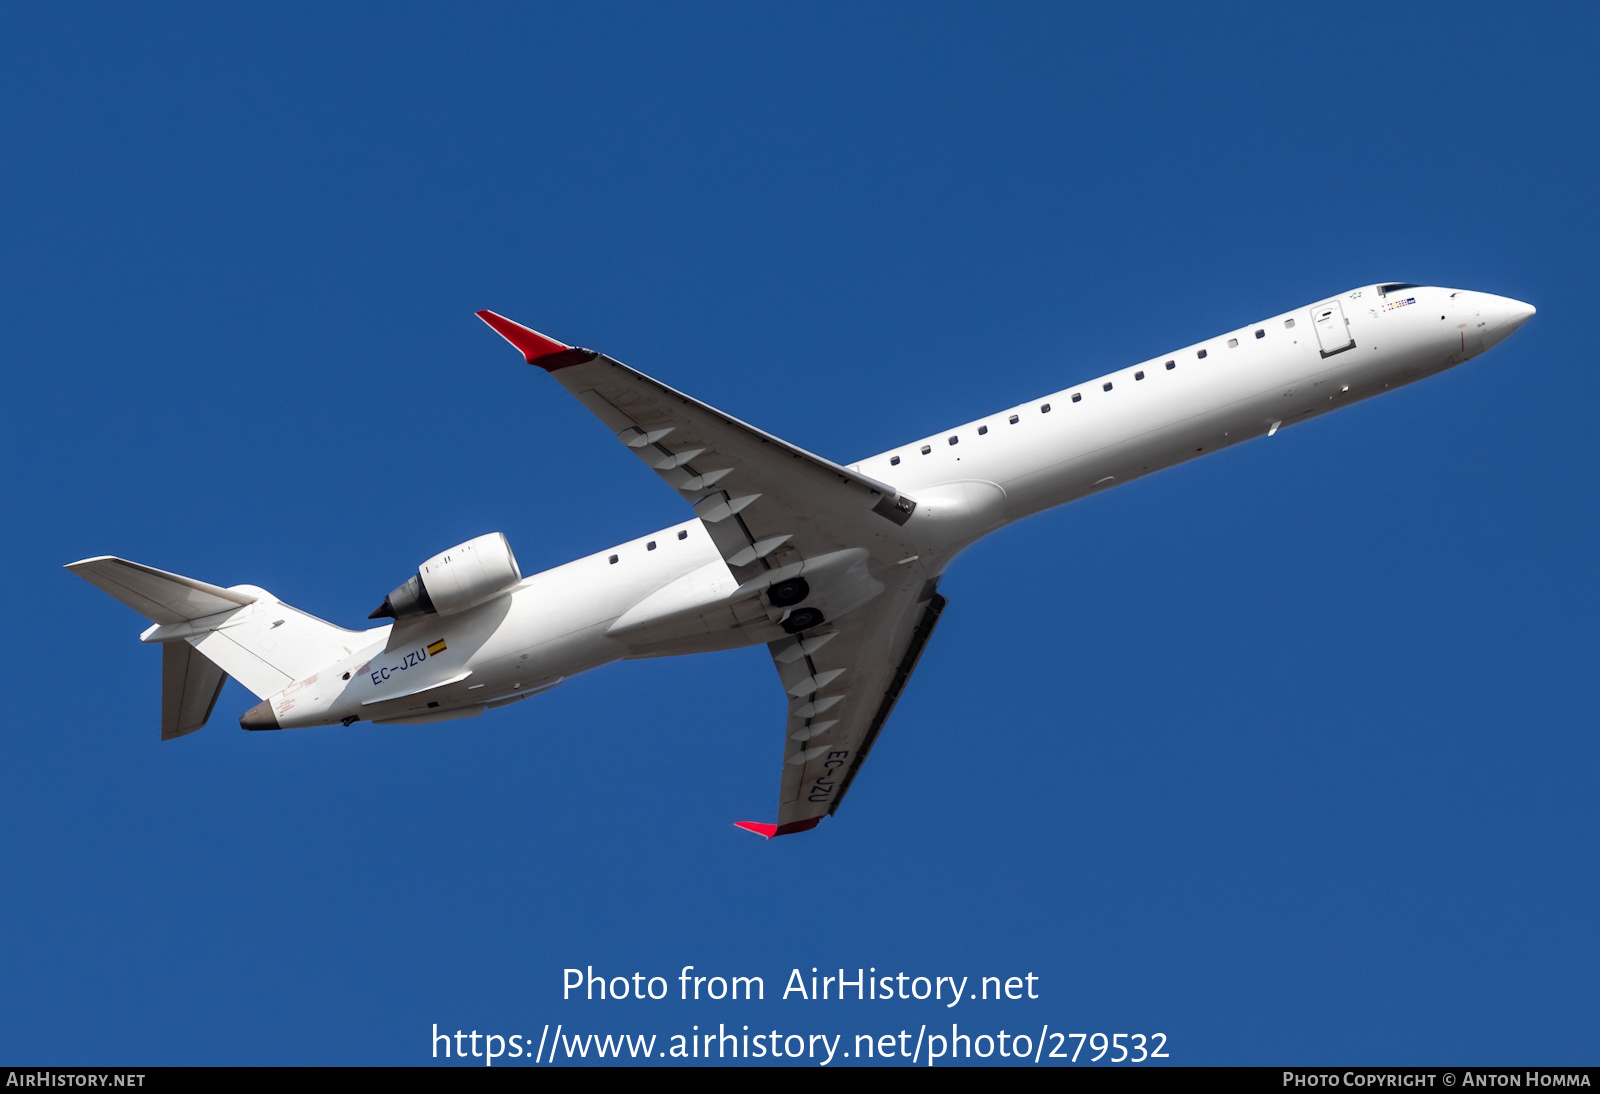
<point x="453" y="581"/>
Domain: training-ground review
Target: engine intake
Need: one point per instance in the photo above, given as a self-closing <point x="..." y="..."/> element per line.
<point x="452" y="581"/>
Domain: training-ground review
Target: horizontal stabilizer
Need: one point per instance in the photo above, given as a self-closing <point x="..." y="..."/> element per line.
<point x="767" y="831"/>
<point x="246" y="632"/>
<point x="155" y="594"/>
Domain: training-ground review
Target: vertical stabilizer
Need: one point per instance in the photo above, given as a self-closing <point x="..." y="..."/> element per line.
<point x="210" y="633"/>
<point x="190" y="684"/>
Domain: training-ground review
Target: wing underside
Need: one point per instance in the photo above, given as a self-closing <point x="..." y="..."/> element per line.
<point x="842" y="683"/>
<point x="822" y="548"/>
<point x="767" y="504"/>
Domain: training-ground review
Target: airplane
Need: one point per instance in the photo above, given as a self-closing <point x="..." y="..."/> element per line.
<point x="834" y="567"/>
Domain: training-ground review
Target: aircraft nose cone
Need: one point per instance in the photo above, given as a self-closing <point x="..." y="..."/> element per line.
<point x="259" y="716"/>
<point x="1503" y="317"/>
<point x="1502" y="311"/>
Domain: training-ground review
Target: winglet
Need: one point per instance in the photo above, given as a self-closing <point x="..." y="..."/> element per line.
<point x="547" y="353"/>
<point x="767" y="831"/>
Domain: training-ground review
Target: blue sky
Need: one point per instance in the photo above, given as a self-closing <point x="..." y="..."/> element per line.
<point x="1287" y="753"/>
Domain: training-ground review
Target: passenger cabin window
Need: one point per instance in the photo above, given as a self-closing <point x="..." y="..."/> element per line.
<point x="1233" y="343"/>
<point x="613" y="560"/>
<point x="1261" y="334"/>
<point x="982" y="429"/>
<point x="926" y="449"/>
<point x="1013" y="419"/>
<point x="1077" y="398"/>
<point x="1138" y="375"/>
<point x="1171" y="365"/>
<point x="1106" y="386"/>
<point x="1201" y="354"/>
<point x="953" y="440"/>
<point x="894" y="460"/>
<point x="684" y="534"/>
<point x="651" y="546"/>
<point x="1288" y="323"/>
<point x="1044" y="408"/>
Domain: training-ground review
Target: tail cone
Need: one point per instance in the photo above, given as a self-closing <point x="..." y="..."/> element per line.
<point x="259" y="716"/>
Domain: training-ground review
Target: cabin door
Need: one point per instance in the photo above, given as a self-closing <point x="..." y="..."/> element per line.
<point x="1333" y="331"/>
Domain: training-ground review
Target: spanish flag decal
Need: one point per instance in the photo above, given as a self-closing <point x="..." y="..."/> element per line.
<point x="436" y="649"/>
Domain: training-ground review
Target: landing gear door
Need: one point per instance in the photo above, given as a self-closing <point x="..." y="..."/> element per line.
<point x="1333" y="331"/>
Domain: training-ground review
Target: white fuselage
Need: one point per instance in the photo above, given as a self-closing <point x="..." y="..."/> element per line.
<point x="669" y="592"/>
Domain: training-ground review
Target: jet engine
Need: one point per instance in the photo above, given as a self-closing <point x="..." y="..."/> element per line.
<point x="453" y="581"/>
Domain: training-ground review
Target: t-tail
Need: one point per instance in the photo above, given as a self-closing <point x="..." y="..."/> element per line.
<point x="208" y="633"/>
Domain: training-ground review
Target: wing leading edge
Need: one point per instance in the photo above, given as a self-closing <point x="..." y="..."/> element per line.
<point x="767" y="504"/>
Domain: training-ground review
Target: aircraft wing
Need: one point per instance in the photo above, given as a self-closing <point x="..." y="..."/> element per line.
<point x="767" y="505"/>
<point x="842" y="681"/>
<point x="800" y="529"/>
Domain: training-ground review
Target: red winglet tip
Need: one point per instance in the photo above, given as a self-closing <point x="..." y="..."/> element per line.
<point x="532" y="344"/>
<point x="768" y="831"/>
